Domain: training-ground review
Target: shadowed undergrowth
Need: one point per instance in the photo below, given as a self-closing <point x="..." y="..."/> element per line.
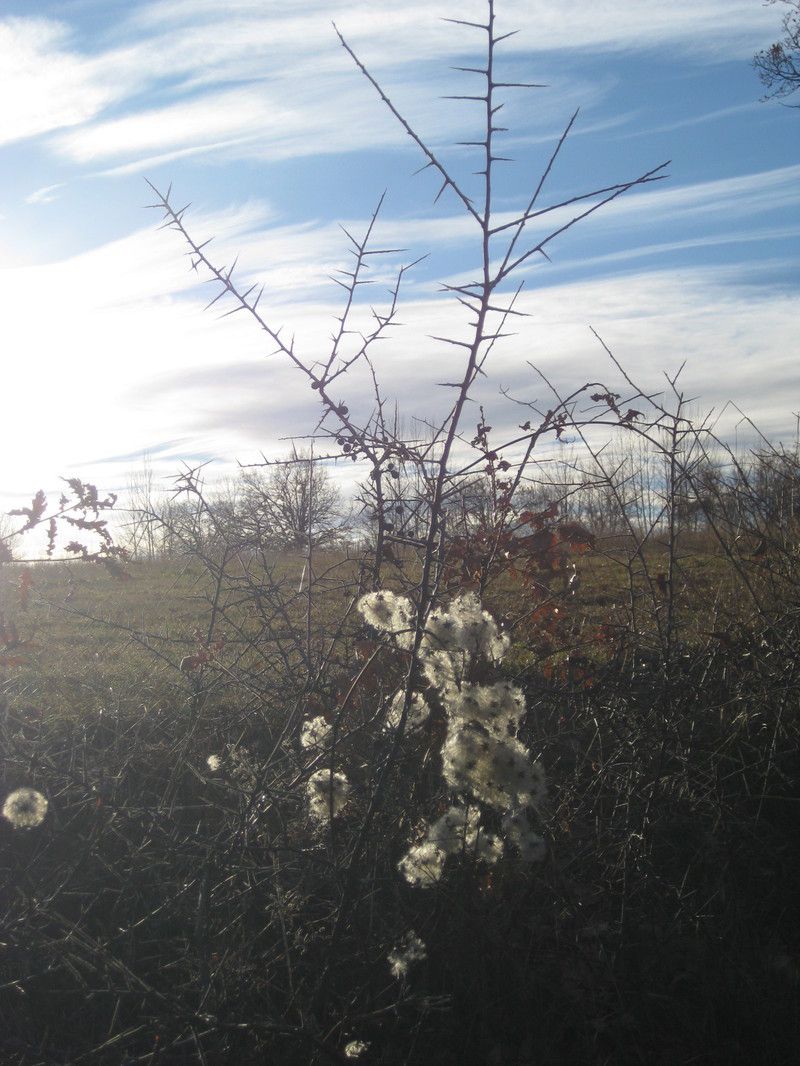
<point x="167" y="907"/>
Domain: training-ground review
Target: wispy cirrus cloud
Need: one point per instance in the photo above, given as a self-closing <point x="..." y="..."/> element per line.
<point x="151" y="367"/>
<point x="265" y="121"/>
<point x="51" y="86"/>
<point x="716" y="27"/>
<point x="46" y="195"/>
<point x="697" y="120"/>
<point x="246" y="72"/>
<point x="777" y="189"/>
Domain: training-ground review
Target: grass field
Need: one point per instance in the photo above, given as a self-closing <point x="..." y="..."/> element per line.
<point x="93" y="641"/>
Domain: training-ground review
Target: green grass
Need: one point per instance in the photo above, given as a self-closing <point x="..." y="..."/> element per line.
<point x="95" y="642"/>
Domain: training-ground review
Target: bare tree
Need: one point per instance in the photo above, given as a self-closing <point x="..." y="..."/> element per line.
<point x="291" y="504"/>
<point x="779" y="65"/>
<point x="140" y="528"/>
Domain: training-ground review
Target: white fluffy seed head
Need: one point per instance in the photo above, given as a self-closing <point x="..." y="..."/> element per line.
<point x="439" y="667"/>
<point x="423" y="864"/>
<point x="455" y="636"/>
<point x="456" y="830"/>
<point x="465" y="628"/>
<point x="459" y="831"/>
<point x="498" y="708"/>
<point x="519" y="832"/>
<point x="25" y="808"/>
<point x="418" y="712"/>
<point x="390" y="613"/>
<point x="315" y="732"/>
<point x="481" y="757"/>
<point x="496" y="771"/>
<point x="328" y="793"/>
<point x="355" y="1049"/>
<point x="410" y="950"/>
<point x="213" y="762"/>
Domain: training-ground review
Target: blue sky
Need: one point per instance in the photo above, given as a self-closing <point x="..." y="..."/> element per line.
<point x="253" y="111"/>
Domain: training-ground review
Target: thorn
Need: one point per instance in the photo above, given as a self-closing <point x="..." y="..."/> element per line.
<point x="449" y="340"/>
<point x="217" y="297"/>
<point x="519" y="85"/>
<point x="463" y="22"/>
<point x="445" y="183"/>
<point x="385" y="251"/>
<point x="349" y="235"/>
<point x="422" y="168"/>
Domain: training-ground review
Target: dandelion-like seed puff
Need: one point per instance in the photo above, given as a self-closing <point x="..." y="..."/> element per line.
<point x="327" y="793"/>
<point x="355" y="1049"/>
<point x="411" y="950"/>
<point x="315" y="733"/>
<point x="389" y="613"/>
<point x="483" y="761"/>
<point x="25" y="808"/>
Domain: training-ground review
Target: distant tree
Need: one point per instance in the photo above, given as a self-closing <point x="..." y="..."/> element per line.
<point x="140" y="530"/>
<point x="6" y="533"/>
<point x="779" y="65"/>
<point x="291" y="504"/>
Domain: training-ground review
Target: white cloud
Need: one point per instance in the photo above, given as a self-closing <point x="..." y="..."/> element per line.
<point x="733" y="202"/>
<point x="712" y="28"/>
<point x="697" y="120"/>
<point x="256" y="121"/>
<point x="124" y="360"/>
<point x="736" y="236"/>
<point x="739" y="198"/>
<point x="742" y="195"/>
<point x="397" y="32"/>
<point x="180" y="125"/>
<point x="44" y="86"/>
<point x="286" y="115"/>
<point x="249" y="78"/>
<point x="45" y="195"/>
